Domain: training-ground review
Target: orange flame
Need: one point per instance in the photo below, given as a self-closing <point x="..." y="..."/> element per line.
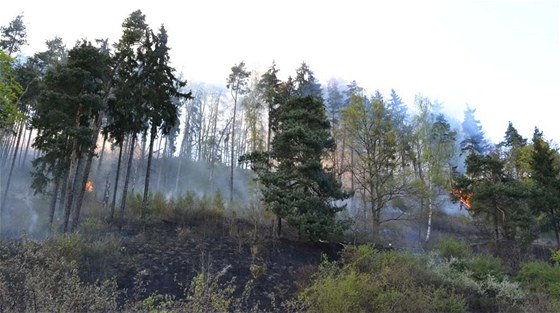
<point x="89" y="186"/>
<point x="463" y="197"/>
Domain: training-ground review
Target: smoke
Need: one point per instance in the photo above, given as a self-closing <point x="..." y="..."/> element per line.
<point x="29" y="214"/>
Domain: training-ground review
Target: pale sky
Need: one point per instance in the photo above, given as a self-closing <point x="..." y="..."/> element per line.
<point x="500" y="57"/>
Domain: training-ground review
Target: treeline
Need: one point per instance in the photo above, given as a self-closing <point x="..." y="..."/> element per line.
<point x="328" y="158"/>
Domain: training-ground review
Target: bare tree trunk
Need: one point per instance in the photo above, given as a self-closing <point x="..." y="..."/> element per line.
<point x="85" y="173"/>
<point x="161" y="166"/>
<point x="8" y="148"/>
<point x="127" y="178"/>
<point x="430" y="206"/>
<point x="178" y="175"/>
<point x="102" y="152"/>
<point x="430" y="213"/>
<point x="70" y="184"/>
<point x="53" y="201"/>
<point x="72" y="169"/>
<point x="9" y="180"/>
<point x="27" y="146"/>
<point x="153" y="134"/>
<point x="117" y="175"/>
<point x="232" y="149"/>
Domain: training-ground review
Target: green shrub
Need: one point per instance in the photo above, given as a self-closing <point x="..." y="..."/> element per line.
<point x="540" y="277"/>
<point x="451" y="248"/>
<point x="371" y="281"/>
<point x="35" y="278"/>
<point x="482" y="266"/>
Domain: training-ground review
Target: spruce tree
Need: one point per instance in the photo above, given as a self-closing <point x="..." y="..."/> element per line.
<point x="297" y="186"/>
<point x="546" y="175"/>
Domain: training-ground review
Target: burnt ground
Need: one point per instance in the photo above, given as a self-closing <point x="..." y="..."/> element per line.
<point x="165" y="258"/>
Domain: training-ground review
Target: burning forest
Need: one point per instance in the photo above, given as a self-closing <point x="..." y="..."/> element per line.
<point x="129" y="188"/>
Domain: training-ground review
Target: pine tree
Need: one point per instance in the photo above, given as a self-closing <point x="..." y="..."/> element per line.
<point x="13" y="36"/>
<point x="66" y="115"/>
<point x="237" y="84"/>
<point x="269" y="87"/>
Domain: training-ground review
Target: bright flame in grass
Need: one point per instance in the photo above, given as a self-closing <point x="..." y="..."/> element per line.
<point x="463" y="197"/>
<point x="89" y="186"/>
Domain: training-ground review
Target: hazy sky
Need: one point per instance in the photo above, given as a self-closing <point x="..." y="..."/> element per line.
<point x="500" y="57"/>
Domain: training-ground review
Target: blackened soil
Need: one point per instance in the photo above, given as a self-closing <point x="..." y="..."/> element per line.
<point x="164" y="258"/>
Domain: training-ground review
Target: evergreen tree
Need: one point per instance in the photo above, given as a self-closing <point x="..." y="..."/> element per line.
<point x="516" y="153"/>
<point x="125" y="113"/>
<point x="237" y="84"/>
<point x="497" y="198"/>
<point x="296" y="185"/>
<point x="160" y="87"/>
<point x="66" y="113"/>
<point x="546" y="175"/>
<point x="306" y="84"/>
<point x="269" y="87"/>
<point x="473" y="137"/>
<point x="13" y="36"/>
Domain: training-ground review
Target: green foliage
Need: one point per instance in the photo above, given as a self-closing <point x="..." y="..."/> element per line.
<point x="483" y="290"/>
<point x="13" y="36"/>
<point x="69" y="103"/>
<point x="372" y="135"/>
<point x="545" y="172"/>
<point x="10" y="91"/>
<point x="370" y="281"/>
<point x="36" y="278"/>
<point x="499" y="199"/>
<point x="480" y="266"/>
<point x="540" y="277"/>
<point x="296" y="184"/>
<point x="451" y="248"/>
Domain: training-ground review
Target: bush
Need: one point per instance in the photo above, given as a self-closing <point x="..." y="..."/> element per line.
<point x="371" y="281"/>
<point x="482" y="266"/>
<point x="37" y="278"/>
<point x="540" y="277"/>
<point x="451" y="248"/>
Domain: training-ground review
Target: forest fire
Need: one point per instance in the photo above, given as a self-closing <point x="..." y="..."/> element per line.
<point x="89" y="186"/>
<point x="463" y="197"/>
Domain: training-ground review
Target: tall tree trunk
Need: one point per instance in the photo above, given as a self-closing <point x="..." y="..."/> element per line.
<point x="102" y="152"/>
<point x="153" y="134"/>
<point x="232" y="149"/>
<point x="127" y="178"/>
<point x="430" y="213"/>
<point x="85" y="173"/>
<point x="178" y="175"/>
<point x="430" y="207"/>
<point x="53" y="201"/>
<point x="72" y="169"/>
<point x="27" y="147"/>
<point x="115" y="189"/>
<point x="161" y="166"/>
<point x="69" y="192"/>
<point x="9" y="180"/>
<point x="11" y="139"/>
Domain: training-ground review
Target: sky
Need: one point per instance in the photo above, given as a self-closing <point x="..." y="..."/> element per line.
<point x="501" y="58"/>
